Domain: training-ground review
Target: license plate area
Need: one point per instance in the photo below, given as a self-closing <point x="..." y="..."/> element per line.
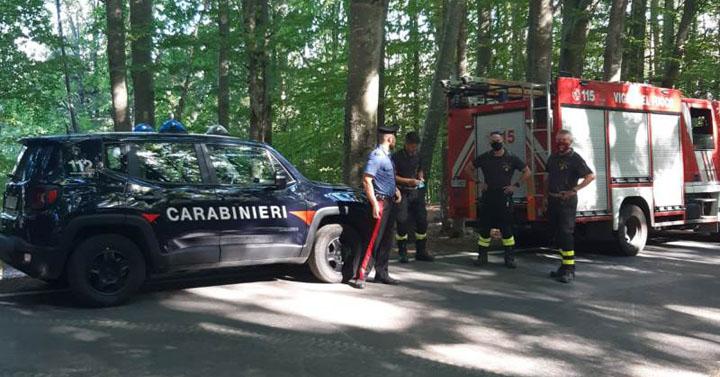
<point x="10" y="203"/>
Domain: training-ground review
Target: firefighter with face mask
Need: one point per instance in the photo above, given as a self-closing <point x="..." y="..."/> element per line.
<point x="565" y="168"/>
<point x="495" y="207"/>
<point x="411" y="181"/>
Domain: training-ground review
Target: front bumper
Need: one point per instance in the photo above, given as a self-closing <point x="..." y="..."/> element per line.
<point x="39" y="262"/>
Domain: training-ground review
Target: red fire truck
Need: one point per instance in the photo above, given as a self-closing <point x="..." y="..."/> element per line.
<point x="654" y="152"/>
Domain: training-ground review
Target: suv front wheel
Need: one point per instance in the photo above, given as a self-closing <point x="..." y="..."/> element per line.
<point x="105" y="270"/>
<point x="334" y="245"/>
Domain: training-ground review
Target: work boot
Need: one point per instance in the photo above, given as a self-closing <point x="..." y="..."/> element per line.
<point x="563" y="275"/>
<point x="402" y="250"/>
<point x="357" y="283"/>
<point x="482" y="258"/>
<point x="510" y="258"/>
<point x="421" y="252"/>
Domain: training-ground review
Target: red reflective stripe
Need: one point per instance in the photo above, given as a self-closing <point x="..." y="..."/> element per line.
<point x="371" y="244"/>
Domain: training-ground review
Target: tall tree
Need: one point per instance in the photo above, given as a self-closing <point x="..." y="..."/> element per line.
<point x="668" y="29"/>
<point x="445" y="65"/>
<point x="634" y="59"/>
<point x="141" y="28"/>
<point x="66" y="71"/>
<point x="383" y="55"/>
<point x="655" y="44"/>
<point x="223" y="63"/>
<point x="257" y="23"/>
<point x="462" y="59"/>
<point x="612" y="65"/>
<point x="116" y="60"/>
<point x="484" y="37"/>
<point x="575" y="21"/>
<point x="366" y="25"/>
<point x="539" y="41"/>
<point x="414" y="57"/>
<point x="672" y="65"/>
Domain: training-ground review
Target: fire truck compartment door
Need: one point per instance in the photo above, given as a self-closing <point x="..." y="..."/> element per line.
<point x="667" y="160"/>
<point x="629" y="146"/>
<point x="512" y="124"/>
<point x="588" y="129"/>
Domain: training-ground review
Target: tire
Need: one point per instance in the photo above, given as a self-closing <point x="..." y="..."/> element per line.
<point x="632" y="232"/>
<point x="105" y="270"/>
<point x="334" y="245"/>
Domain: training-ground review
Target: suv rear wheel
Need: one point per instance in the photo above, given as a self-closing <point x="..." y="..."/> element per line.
<point x="105" y="270"/>
<point x="334" y="245"/>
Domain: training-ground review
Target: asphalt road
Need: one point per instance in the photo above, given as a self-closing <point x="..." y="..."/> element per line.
<point x="654" y="315"/>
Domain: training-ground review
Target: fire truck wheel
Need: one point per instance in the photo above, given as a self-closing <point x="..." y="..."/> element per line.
<point x="632" y="230"/>
<point x="335" y="245"/>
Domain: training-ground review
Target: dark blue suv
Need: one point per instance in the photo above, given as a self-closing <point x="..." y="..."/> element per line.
<point x="106" y="211"/>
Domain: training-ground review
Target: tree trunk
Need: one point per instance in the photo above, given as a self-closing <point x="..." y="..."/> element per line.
<point x="655" y="47"/>
<point x="116" y="61"/>
<point x="361" y="104"/>
<point x="71" y="109"/>
<point x="223" y="63"/>
<point x="414" y="15"/>
<point x="257" y="20"/>
<point x="454" y="13"/>
<point x="141" y="25"/>
<point x="575" y="20"/>
<point x="634" y="60"/>
<point x="381" y="85"/>
<point x="484" y="38"/>
<point x="462" y="64"/>
<point x="672" y="66"/>
<point x="612" y="66"/>
<point x="539" y="41"/>
<point x="668" y="29"/>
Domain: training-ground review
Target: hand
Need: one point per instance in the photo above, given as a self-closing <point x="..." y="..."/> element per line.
<point x="417" y="182"/>
<point x="482" y="187"/>
<point x="398" y="196"/>
<point x="375" y="210"/>
<point x="509" y="189"/>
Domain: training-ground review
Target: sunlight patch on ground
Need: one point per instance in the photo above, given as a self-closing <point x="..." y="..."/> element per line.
<point x="77" y="333"/>
<point x="490" y="358"/>
<point x="314" y="307"/>
<point x="661" y="371"/>
<point x="681" y="346"/>
<point x="710" y="314"/>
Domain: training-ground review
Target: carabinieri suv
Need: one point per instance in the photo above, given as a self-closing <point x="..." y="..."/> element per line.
<point x="104" y="212"/>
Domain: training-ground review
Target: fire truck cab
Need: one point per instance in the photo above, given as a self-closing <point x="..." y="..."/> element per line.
<point x="654" y="152"/>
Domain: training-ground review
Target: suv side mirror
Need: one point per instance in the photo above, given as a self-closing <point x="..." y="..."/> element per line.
<point x="280" y="179"/>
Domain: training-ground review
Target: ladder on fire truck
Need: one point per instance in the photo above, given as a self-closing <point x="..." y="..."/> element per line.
<point x="538" y="120"/>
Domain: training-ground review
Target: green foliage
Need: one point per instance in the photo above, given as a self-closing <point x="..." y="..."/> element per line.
<point x="308" y="67"/>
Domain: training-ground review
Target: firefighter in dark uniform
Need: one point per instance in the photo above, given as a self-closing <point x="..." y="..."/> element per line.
<point x="495" y="207"/>
<point x="565" y="168"/>
<point x="411" y="182"/>
<point x="382" y="193"/>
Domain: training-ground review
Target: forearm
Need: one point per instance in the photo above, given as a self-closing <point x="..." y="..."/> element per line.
<point x="585" y="182"/>
<point x="369" y="191"/>
<point x="405" y="181"/>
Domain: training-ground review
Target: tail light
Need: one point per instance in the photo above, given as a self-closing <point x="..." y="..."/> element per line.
<point x="42" y="197"/>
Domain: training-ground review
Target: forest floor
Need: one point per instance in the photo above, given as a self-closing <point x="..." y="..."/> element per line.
<point x="657" y="314"/>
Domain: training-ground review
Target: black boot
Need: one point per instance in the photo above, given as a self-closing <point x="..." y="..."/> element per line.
<point x="402" y="250"/>
<point x="510" y="258"/>
<point x="564" y="274"/>
<point x="421" y="252"/>
<point x="482" y="258"/>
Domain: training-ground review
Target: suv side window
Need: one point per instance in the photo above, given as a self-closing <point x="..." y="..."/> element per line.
<point x="243" y="165"/>
<point x="168" y="162"/>
<point x="117" y="157"/>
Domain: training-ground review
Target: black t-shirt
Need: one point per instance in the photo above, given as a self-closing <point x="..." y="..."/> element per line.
<point x="564" y="171"/>
<point x="406" y="166"/>
<point x="498" y="171"/>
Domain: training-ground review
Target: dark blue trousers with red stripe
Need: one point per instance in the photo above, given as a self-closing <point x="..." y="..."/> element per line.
<point x="379" y="244"/>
